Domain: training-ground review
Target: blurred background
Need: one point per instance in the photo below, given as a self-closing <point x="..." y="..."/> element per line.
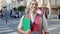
<point x="12" y="10"/>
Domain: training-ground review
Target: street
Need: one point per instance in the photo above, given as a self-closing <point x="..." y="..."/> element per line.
<point x="17" y="8"/>
<point x="12" y="24"/>
<point x="54" y="27"/>
<point x="10" y="27"/>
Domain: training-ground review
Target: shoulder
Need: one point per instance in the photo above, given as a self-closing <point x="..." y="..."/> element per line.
<point x="22" y="17"/>
<point x="41" y="16"/>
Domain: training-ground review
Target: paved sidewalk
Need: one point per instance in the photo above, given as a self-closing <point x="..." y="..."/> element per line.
<point x="10" y="27"/>
<point x="12" y="24"/>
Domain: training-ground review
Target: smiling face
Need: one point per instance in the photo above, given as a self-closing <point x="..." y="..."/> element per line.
<point x="33" y="6"/>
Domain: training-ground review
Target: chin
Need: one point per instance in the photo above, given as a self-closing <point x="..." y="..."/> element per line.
<point x="33" y="11"/>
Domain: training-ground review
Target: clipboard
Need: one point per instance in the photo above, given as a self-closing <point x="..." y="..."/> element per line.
<point x="26" y="24"/>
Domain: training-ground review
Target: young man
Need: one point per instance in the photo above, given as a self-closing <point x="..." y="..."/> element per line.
<point x="38" y="23"/>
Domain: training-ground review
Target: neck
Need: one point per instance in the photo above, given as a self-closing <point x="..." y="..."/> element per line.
<point x="33" y="13"/>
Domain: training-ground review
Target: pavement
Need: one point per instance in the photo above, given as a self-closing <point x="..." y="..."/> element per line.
<point x="12" y="24"/>
<point x="10" y="27"/>
<point x="54" y="27"/>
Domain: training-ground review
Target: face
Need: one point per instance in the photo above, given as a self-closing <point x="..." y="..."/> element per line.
<point x="33" y="6"/>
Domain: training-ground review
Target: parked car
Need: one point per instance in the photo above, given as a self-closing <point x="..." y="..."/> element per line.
<point x="14" y="14"/>
<point x="54" y="16"/>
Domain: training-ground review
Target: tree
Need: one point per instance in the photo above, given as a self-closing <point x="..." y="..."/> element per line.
<point x="21" y="8"/>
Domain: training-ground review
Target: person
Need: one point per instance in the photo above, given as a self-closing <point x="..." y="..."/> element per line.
<point x="38" y="22"/>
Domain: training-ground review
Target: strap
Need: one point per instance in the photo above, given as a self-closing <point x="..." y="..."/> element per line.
<point x="37" y="18"/>
<point x="35" y="21"/>
<point x="42" y="28"/>
<point x="27" y="16"/>
<point x="36" y="24"/>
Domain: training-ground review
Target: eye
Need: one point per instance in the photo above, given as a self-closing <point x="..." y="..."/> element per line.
<point x="32" y="4"/>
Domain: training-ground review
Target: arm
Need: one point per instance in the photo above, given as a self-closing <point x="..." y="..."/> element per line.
<point x="20" y="26"/>
<point x="45" y="25"/>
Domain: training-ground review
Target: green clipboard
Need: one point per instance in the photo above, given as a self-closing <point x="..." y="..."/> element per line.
<point x="26" y="24"/>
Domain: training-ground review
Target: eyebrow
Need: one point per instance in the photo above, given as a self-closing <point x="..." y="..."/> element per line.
<point x="34" y="3"/>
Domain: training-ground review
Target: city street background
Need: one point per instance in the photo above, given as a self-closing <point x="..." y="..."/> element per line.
<point x="12" y="23"/>
<point x="8" y="24"/>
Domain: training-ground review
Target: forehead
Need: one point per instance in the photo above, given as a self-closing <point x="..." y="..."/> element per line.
<point x="34" y="2"/>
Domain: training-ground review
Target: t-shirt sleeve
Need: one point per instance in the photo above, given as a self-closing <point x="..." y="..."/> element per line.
<point x="45" y="24"/>
<point x="20" y="22"/>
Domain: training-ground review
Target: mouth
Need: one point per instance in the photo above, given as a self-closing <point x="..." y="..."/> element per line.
<point x="34" y="8"/>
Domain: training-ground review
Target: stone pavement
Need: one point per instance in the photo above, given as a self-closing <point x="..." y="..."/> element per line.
<point x="54" y="27"/>
<point x="10" y="27"/>
<point x="12" y="23"/>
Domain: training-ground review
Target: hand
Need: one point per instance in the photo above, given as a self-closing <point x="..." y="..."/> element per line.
<point x="46" y="32"/>
<point x="27" y="32"/>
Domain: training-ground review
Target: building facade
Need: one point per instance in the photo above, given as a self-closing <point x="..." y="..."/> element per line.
<point x="50" y="6"/>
